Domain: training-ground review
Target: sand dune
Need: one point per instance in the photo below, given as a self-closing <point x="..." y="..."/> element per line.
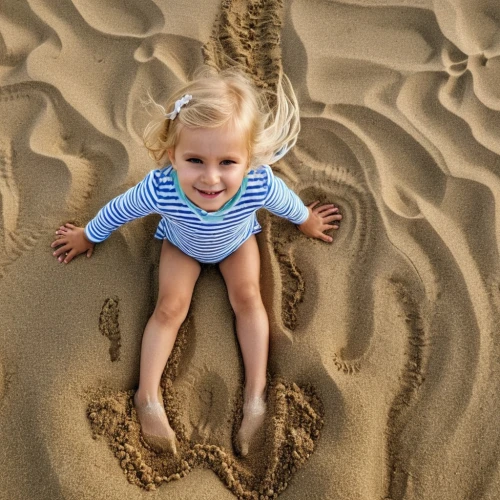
<point x="384" y="364"/>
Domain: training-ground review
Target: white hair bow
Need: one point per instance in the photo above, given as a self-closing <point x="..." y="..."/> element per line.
<point x="177" y="107"/>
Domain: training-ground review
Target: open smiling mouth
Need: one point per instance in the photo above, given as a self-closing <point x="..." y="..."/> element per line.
<point x="209" y="194"/>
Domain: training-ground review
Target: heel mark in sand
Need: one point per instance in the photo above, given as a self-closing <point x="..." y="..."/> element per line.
<point x="109" y="326"/>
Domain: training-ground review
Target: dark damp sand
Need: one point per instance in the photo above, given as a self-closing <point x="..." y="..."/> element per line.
<point x="383" y="373"/>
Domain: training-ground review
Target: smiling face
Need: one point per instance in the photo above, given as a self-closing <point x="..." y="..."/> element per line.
<point x="211" y="164"/>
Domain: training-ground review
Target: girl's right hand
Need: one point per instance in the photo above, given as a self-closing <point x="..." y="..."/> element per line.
<point x="71" y="241"/>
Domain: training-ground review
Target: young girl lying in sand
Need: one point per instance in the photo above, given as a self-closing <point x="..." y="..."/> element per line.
<point x="220" y="137"/>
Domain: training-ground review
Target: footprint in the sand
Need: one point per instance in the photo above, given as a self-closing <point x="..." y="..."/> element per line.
<point x="208" y="397"/>
<point x="110" y="327"/>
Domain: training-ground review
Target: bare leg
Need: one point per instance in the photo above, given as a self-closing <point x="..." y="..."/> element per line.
<point x="241" y="271"/>
<point x="177" y="276"/>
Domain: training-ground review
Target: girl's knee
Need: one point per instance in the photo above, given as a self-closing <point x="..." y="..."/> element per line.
<point x="246" y="297"/>
<point x="171" y="310"/>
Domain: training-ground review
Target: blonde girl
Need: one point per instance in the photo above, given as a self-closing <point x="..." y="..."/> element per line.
<point x="219" y="135"/>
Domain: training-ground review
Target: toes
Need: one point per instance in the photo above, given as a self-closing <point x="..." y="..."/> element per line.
<point x="242" y="443"/>
<point x="244" y="448"/>
<point x="155" y="429"/>
<point x="162" y="444"/>
<point x="254" y="412"/>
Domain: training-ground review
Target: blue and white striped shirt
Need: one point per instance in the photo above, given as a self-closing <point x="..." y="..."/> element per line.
<point x="207" y="237"/>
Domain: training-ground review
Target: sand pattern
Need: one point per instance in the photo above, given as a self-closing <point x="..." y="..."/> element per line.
<point x="52" y="155"/>
<point x="384" y="366"/>
<point x="290" y="436"/>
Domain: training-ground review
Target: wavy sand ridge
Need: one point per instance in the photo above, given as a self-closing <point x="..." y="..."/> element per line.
<point x="51" y="167"/>
<point x="454" y="116"/>
<point x="21" y="31"/>
<point x="340" y="183"/>
<point x="135" y="20"/>
<point x="329" y="183"/>
<point x="10" y="200"/>
<point x="355" y="333"/>
<point x="428" y="133"/>
<point x="412" y="378"/>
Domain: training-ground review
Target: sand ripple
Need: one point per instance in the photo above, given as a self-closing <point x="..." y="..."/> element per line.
<point x="116" y="17"/>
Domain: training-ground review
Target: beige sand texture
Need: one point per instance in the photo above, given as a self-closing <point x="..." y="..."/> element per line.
<point x="384" y="371"/>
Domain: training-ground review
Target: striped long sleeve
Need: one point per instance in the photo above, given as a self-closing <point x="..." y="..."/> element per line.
<point x="138" y="201"/>
<point x="282" y="201"/>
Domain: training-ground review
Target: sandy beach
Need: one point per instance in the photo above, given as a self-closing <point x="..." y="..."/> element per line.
<point x="384" y="369"/>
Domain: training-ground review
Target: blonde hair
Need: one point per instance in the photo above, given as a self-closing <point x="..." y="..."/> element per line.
<point x="270" y="119"/>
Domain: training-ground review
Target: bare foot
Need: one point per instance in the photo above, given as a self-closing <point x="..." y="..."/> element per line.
<point x="155" y="428"/>
<point x="254" y="412"/>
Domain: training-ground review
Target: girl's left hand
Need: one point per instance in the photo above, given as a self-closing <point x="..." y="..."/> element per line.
<point x="318" y="221"/>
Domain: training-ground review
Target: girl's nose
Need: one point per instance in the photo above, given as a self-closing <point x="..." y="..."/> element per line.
<point x="211" y="176"/>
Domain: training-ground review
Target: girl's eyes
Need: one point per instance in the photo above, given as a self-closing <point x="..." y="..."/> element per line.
<point x="199" y="162"/>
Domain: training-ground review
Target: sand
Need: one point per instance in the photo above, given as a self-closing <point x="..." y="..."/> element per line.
<point x="384" y="369"/>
